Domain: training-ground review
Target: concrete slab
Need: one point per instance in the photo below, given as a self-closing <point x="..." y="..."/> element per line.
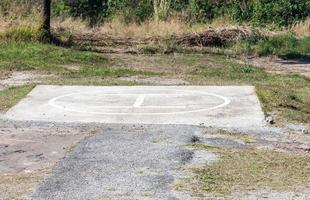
<point x="219" y="106"/>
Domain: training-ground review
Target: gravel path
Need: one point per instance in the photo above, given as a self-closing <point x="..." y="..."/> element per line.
<point x="135" y="162"/>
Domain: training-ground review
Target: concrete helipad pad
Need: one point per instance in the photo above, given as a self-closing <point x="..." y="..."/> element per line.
<point x="221" y="106"/>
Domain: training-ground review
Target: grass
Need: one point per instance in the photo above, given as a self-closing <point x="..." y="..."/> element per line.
<point x="45" y="58"/>
<point x="20" y="33"/>
<point x="285" y="46"/>
<point x="246" y="138"/>
<point x="11" y="96"/>
<point x="252" y="170"/>
<point x="19" y="185"/>
<point x="20" y="56"/>
<point x="302" y="28"/>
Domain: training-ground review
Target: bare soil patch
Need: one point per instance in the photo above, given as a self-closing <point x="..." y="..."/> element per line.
<point x="21" y="78"/>
<point x="27" y="155"/>
<point x="155" y="80"/>
<point x="279" y="65"/>
<point x="174" y="64"/>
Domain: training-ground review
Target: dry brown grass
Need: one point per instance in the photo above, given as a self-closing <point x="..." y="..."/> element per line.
<point x="70" y="24"/>
<point x="18" y="186"/>
<point x="146" y="29"/>
<point x="119" y="29"/>
<point x="251" y="170"/>
<point x="4" y="25"/>
<point x="19" y="9"/>
<point x="114" y="28"/>
<point x="302" y="28"/>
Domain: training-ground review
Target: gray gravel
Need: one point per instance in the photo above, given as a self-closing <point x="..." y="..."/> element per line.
<point x="124" y="162"/>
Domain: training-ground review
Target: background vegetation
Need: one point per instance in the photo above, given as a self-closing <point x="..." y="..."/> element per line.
<point x="254" y="12"/>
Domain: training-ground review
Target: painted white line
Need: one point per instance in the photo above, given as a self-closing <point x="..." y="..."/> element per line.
<point x="139" y="101"/>
<point x="119" y="107"/>
<point x="225" y="101"/>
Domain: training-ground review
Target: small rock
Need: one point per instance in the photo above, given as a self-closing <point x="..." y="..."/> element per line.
<point x="305" y="131"/>
<point x="269" y="120"/>
<point x="194" y="139"/>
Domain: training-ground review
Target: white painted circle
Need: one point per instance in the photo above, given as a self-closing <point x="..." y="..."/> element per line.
<point x="140" y="102"/>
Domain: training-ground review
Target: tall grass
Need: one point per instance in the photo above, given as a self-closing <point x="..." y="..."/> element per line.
<point x="15" y="9"/>
<point x="19" y="34"/>
<point x="302" y="28"/>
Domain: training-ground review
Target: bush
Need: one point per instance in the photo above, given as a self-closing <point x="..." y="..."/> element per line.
<point x="92" y="10"/>
<point x="205" y="10"/>
<point x="131" y="10"/>
<point x="256" y="12"/>
<point x="60" y="8"/>
<point x="280" y="12"/>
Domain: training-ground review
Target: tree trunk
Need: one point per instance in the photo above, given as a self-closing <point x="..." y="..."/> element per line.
<point x="155" y="6"/>
<point x="46" y="26"/>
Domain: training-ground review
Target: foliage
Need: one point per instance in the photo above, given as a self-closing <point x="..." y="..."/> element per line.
<point x="131" y="10"/>
<point x="281" y="12"/>
<point x="204" y="10"/>
<point x="255" y="12"/>
<point x="286" y="46"/>
<point x="93" y="10"/>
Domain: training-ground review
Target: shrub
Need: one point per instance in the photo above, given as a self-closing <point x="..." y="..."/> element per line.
<point x="280" y="12"/>
<point x="131" y="10"/>
<point x="205" y="10"/>
<point x="92" y="10"/>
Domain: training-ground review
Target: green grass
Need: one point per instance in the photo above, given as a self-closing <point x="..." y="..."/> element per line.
<point x="252" y="170"/>
<point x="20" y="34"/>
<point x="45" y="58"/>
<point x="20" y="56"/>
<point x="11" y="96"/>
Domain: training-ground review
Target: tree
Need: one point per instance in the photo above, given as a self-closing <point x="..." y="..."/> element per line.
<point x="46" y="23"/>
